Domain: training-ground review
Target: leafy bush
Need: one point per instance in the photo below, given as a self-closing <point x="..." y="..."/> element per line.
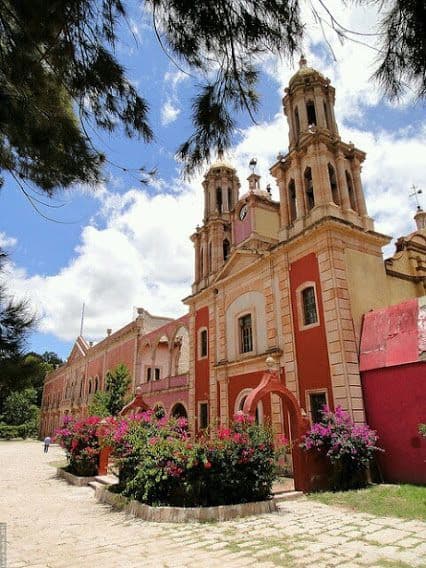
<point x="422" y="430"/>
<point x="349" y="447"/>
<point x="81" y="443"/>
<point x="10" y="431"/>
<point x="161" y="465"/>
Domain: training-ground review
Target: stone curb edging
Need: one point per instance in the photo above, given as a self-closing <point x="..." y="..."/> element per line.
<point x="73" y="479"/>
<point x="182" y="514"/>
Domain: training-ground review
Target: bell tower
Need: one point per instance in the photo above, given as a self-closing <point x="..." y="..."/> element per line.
<point x="321" y="175"/>
<point x="213" y="240"/>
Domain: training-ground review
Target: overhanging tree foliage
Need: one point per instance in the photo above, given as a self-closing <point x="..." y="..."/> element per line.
<point x="58" y="71"/>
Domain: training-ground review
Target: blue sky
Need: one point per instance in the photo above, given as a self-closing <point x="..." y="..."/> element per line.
<point x="127" y="245"/>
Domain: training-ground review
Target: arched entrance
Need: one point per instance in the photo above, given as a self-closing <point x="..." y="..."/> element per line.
<point x="179" y="411"/>
<point x="299" y="424"/>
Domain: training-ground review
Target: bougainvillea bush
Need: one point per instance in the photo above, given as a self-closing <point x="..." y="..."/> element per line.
<point x="80" y="440"/>
<point x="349" y="447"/>
<point x="160" y="464"/>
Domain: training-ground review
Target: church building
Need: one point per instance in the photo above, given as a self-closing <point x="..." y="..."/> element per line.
<point x="301" y="280"/>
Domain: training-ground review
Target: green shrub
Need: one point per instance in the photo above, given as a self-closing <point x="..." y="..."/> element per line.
<point x="161" y="465"/>
<point x="422" y="430"/>
<point x="27" y="430"/>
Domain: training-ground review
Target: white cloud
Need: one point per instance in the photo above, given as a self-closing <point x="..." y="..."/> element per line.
<point x="6" y="241"/>
<point x="169" y="113"/>
<point x="143" y="257"/>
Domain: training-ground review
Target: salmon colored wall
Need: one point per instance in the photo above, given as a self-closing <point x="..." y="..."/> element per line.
<point x="95" y="367"/>
<point x="395" y="403"/>
<point x="242" y="229"/>
<point x="167" y="399"/>
<point x="311" y="344"/>
<point x="121" y="353"/>
<point x="201" y="365"/>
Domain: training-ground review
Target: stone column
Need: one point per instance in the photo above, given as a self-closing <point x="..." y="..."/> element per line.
<point x="285" y="219"/>
<point x="319" y="108"/>
<point x="356" y="171"/>
<point x="341" y="179"/>
<point x="300" y="191"/>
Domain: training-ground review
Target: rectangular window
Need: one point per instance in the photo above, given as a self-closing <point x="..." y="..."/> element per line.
<point x="317" y="401"/>
<point x="203" y="343"/>
<point x="310" y="315"/>
<point x="246" y="334"/>
<point x="157" y="374"/>
<point x="204" y="415"/>
<point x="148" y="374"/>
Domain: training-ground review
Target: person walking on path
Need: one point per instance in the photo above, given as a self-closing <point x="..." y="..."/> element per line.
<point x="47" y="442"/>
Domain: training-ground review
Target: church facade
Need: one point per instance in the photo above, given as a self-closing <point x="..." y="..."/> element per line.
<point x="289" y="279"/>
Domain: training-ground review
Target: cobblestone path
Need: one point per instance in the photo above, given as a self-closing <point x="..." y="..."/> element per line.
<point x="53" y="525"/>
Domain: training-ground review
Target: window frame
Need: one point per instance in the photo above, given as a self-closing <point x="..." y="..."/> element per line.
<point x="301" y="308"/>
<point x="199" y="343"/>
<point x="308" y="394"/>
<point x="240" y="317"/>
<point x="200" y="404"/>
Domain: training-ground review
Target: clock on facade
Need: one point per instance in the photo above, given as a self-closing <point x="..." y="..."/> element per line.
<point x="243" y="212"/>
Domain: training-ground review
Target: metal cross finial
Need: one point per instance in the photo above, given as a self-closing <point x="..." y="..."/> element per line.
<point x="415" y="192"/>
<point x="252" y="164"/>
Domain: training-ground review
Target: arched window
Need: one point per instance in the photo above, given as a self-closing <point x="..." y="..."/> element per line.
<point x="297" y="123"/>
<point x="310" y="111"/>
<point x="309" y="189"/>
<point x="310" y="315"/>
<point x="219" y="202"/>
<point x="352" y="198"/>
<point x="179" y="411"/>
<point x="159" y="411"/>
<point x="226" y="249"/>
<point x="90" y="386"/>
<point x="246" y="334"/>
<point x="203" y="345"/>
<point x="292" y="200"/>
<point x="230" y="203"/>
<point x="333" y="184"/>
<point x="96" y="385"/>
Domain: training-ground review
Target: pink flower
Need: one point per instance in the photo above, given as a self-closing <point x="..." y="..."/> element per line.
<point x="207" y="465"/>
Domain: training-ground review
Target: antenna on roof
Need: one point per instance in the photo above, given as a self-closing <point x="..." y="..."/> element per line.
<point x="82" y="320"/>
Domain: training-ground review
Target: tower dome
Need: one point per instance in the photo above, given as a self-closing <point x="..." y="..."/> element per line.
<point x="304" y="72"/>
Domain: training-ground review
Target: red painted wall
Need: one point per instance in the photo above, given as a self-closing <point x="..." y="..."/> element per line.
<point x="311" y="344"/>
<point x="395" y="403"/>
<point x="121" y="353"/>
<point x="167" y="399"/>
<point x="248" y="381"/>
<point x="201" y="365"/>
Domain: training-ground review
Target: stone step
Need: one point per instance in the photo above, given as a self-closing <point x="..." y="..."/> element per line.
<point x="107" y="479"/>
<point x="95" y="484"/>
<point x="287" y="496"/>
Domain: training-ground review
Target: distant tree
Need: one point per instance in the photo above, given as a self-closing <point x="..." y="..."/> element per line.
<point x="52" y="358"/>
<point x="100" y="404"/>
<point x="16" y="322"/>
<point x="59" y="73"/>
<point x="112" y="400"/>
<point x="20" y="407"/>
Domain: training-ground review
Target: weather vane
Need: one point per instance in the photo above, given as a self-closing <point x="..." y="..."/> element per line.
<point x="415" y="192"/>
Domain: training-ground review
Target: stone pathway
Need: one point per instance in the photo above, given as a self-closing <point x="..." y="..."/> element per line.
<point x="53" y="525"/>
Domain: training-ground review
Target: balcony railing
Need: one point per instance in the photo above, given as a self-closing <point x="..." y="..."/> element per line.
<point x="166" y="384"/>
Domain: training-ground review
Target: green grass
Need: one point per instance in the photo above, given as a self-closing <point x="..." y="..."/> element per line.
<point x="402" y="501"/>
